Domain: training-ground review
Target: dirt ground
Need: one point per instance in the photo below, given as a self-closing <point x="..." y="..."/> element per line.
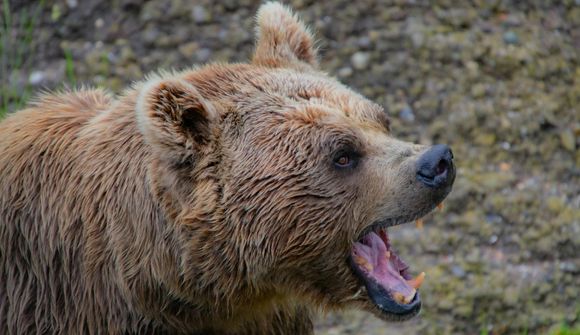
<point x="497" y="80"/>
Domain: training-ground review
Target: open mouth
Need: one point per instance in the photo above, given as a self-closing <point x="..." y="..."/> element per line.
<point x="385" y="275"/>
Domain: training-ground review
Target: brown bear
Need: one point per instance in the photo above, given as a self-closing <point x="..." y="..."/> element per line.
<point x="225" y="199"/>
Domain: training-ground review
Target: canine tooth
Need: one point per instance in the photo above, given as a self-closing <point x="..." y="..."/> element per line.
<point x="399" y="297"/>
<point x="410" y="297"/>
<point x="419" y="223"/>
<point x="417" y="281"/>
<point x="388" y="254"/>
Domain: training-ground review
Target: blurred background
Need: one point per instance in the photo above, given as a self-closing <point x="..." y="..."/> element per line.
<point x="497" y="80"/>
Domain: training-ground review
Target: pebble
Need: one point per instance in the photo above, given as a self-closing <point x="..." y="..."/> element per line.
<point x="406" y="114"/>
<point x="364" y="42"/>
<point x="36" y="77"/>
<point x="360" y="60"/>
<point x="99" y="23"/>
<point x="200" y="14"/>
<point x="345" y="72"/>
<point x="150" y="35"/>
<point x="188" y="49"/>
<point x="510" y="37"/>
<point x="478" y="90"/>
<point x="203" y="55"/>
<point x="568" y="140"/>
<point x="505" y="145"/>
<point x="458" y="271"/>
<point x="569" y="267"/>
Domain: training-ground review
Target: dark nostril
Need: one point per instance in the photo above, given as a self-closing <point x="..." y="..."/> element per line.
<point x="435" y="165"/>
<point x="441" y="167"/>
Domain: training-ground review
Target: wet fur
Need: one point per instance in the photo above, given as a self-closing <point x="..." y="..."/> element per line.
<point x="145" y="213"/>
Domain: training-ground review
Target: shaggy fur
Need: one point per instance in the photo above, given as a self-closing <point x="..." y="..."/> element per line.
<point x="197" y="202"/>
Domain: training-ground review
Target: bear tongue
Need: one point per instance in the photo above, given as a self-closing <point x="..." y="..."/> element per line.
<point x="377" y="261"/>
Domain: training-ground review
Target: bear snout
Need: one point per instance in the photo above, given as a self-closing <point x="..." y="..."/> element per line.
<point x="435" y="168"/>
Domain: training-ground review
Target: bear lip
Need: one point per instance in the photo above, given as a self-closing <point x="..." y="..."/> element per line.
<point x="385" y="275"/>
<point x="395" y="221"/>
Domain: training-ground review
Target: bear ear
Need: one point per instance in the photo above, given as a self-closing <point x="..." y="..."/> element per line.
<point x="175" y="119"/>
<point x="282" y="39"/>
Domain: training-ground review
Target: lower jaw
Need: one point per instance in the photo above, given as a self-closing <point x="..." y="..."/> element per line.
<point x="379" y="302"/>
<point x="392" y="310"/>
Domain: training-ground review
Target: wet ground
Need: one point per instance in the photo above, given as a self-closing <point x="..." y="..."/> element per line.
<point x="497" y="80"/>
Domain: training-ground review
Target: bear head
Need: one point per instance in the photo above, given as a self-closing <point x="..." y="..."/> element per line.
<point x="284" y="181"/>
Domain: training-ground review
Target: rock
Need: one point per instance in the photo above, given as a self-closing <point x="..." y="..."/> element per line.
<point x="151" y="11"/>
<point x="72" y="4"/>
<point x="493" y="181"/>
<point x="472" y="68"/>
<point x="127" y="54"/>
<point x="364" y="42"/>
<point x="188" y="50"/>
<point x="568" y="140"/>
<point x="458" y="271"/>
<point x="555" y="204"/>
<point x="510" y="37"/>
<point x="178" y="9"/>
<point x="478" y="91"/>
<point x="203" y="55"/>
<point x="150" y="35"/>
<point x="569" y="267"/>
<point x="345" y="72"/>
<point x="36" y="78"/>
<point x="99" y="23"/>
<point x="406" y="114"/>
<point x="200" y="14"/>
<point x="485" y="139"/>
<point x="360" y="60"/>
<point x="55" y="13"/>
<point x="51" y="74"/>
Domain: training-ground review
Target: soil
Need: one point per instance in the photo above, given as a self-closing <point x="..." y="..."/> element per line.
<point x="499" y="81"/>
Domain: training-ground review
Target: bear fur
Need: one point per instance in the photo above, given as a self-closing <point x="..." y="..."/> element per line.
<point x="196" y="202"/>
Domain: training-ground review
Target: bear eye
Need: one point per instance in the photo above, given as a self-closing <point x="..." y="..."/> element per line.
<point x="345" y="159"/>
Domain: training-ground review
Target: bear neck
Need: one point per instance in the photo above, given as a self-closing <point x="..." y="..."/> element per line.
<point x="190" y="199"/>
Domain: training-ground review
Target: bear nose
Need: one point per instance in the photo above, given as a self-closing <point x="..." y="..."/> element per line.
<point x="435" y="167"/>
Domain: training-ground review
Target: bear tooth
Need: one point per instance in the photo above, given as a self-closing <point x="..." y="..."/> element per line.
<point x="417" y="281"/>
<point x="410" y="297"/>
<point x="398" y="297"/>
<point x="402" y="299"/>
